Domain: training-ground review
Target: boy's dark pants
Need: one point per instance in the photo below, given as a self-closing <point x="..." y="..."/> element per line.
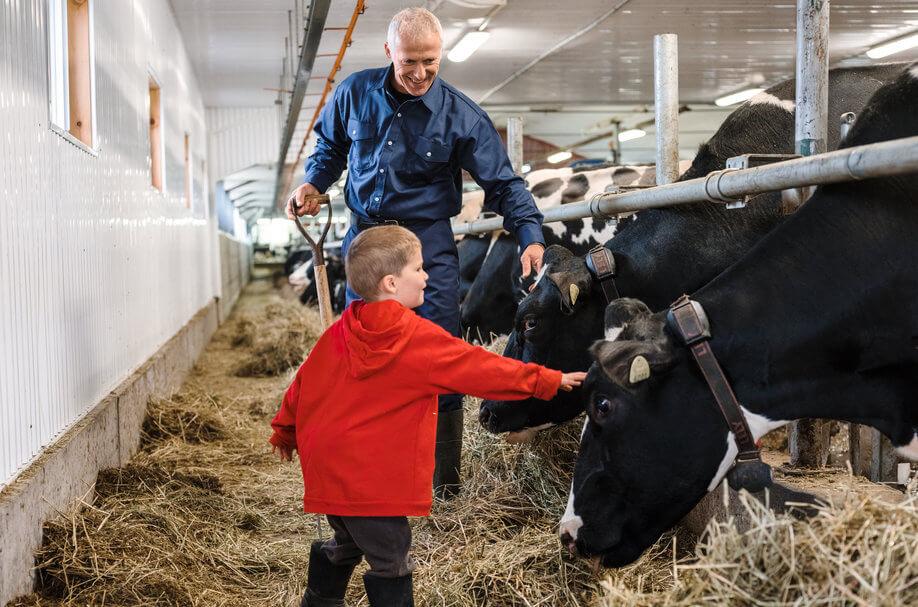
<point x="383" y="540"/>
<point x="441" y="306"/>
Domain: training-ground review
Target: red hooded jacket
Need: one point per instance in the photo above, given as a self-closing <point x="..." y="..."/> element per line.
<point x="362" y="409"/>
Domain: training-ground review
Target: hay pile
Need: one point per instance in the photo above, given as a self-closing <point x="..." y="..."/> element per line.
<point x="862" y="552"/>
<point x="277" y="337"/>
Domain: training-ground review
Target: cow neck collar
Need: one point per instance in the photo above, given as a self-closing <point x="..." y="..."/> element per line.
<point x="601" y="264"/>
<point x="688" y="320"/>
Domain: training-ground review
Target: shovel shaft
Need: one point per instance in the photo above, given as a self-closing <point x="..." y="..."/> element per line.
<point x="324" y="296"/>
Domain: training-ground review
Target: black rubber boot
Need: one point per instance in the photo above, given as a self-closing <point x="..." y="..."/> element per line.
<point x="327" y="582"/>
<point x="389" y="591"/>
<point x="448" y="454"/>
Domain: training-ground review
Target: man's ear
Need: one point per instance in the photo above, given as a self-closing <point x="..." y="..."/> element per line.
<point x="388" y="50"/>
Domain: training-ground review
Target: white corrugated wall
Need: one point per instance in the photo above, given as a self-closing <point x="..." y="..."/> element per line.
<point x="97" y="268"/>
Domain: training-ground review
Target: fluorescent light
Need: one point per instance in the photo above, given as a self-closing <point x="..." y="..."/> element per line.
<point x="631" y="134"/>
<point x="735" y="98"/>
<point x="525" y="168"/>
<point x="559" y="157"/>
<point x="467" y="45"/>
<point x="332" y="192"/>
<point x="891" y="48"/>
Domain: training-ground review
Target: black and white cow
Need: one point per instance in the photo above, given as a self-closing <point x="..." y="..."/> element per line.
<point x="663" y="253"/>
<point x="491" y="300"/>
<point x="819" y="320"/>
<point x="295" y="259"/>
<point x="303" y="281"/>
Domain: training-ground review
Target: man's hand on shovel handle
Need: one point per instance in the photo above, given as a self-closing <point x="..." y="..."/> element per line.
<point x="298" y="201"/>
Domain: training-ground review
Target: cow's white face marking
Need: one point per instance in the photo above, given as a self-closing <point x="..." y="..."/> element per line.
<point x="914" y="71"/>
<point x="612" y="333"/>
<point x="541" y="274"/>
<point x="786" y="104"/>
<point x="759" y="425"/>
<point x="910" y="451"/>
<point x="570" y="521"/>
<point x="494" y="236"/>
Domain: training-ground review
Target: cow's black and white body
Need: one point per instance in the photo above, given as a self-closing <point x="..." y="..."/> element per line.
<point x="663" y="253"/>
<point x="819" y="320"/>
<point x="491" y="299"/>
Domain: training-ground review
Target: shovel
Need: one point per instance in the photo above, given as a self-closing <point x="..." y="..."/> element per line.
<point x="322" y="291"/>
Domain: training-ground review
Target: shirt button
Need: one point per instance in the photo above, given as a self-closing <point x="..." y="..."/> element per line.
<point x="428" y="153"/>
<point x="353" y="132"/>
<point x="382" y="170"/>
<point x="376" y="199"/>
<point x="388" y="143"/>
<point x="399" y="114"/>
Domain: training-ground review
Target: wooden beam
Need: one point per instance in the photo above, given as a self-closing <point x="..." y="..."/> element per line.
<point x="156" y="143"/>
<point x="79" y="70"/>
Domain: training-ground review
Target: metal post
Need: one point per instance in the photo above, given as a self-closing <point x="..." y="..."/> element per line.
<point x="615" y="146"/>
<point x="666" y="105"/>
<point x="809" y="439"/>
<point x="515" y="143"/>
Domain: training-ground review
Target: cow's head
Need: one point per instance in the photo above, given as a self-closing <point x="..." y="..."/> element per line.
<point x="554" y="326"/>
<point x="652" y="445"/>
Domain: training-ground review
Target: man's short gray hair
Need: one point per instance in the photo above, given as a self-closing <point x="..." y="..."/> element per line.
<point x="410" y="23"/>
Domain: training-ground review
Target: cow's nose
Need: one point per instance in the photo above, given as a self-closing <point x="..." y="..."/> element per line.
<point x="569" y="542"/>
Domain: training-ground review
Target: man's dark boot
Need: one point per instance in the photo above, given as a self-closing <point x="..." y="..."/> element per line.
<point x="448" y="454"/>
<point x="327" y="582"/>
<point x="389" y="591"/>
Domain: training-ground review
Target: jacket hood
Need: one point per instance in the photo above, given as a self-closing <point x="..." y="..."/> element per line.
<point x="375" y="333"/>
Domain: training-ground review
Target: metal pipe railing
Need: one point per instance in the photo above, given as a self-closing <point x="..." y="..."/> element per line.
<point x="666" y="105"/>
<point x="885" y="159"/>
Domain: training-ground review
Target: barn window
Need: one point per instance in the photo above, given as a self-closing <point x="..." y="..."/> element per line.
<point x="71" y="69"/>
<point x="156" y="136"/>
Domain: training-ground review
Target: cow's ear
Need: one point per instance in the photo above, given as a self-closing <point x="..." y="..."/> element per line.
<point x="628" y="363"/>
<point x="623" y="311"/>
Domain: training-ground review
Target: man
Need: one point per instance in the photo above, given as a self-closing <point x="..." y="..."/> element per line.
<point x="405" y="136"/>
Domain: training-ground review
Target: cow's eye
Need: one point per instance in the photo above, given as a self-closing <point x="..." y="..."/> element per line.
<point x="603" y="406"/>
<point x="529" y="323"/>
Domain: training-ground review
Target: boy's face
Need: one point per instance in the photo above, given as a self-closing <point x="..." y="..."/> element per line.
<point x="410" y="282"/>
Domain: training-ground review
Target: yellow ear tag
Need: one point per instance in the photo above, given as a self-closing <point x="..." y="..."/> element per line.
<point x="575" y="291"/>
<point x="640" y="370"/>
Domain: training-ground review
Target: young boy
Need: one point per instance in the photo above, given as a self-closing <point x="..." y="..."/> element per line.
<point x="362" y="412"/>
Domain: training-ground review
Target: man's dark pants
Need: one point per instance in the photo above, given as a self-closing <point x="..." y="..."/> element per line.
<point x="441" y="306"/>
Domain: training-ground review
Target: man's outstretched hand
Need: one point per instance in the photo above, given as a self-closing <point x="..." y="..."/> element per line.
<point x="296" y="201"/>
<point x="532" y="259"/>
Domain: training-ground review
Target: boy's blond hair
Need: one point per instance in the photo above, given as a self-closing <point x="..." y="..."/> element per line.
<point x="375" y="253"/>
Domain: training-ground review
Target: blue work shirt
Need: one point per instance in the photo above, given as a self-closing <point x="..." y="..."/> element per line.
<point x="405" y="160"/>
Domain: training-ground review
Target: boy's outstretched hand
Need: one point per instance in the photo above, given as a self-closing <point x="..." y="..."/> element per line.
<point x="569" y="381"/>
<point x="286" y="455"/>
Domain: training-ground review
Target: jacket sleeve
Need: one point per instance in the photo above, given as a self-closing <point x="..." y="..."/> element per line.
<point x="326" y="163"/>
<point x="284" y="423"/>
<point x="482" y="154"/>
<point x="459" y="367"/>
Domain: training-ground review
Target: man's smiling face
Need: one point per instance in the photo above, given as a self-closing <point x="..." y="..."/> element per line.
<point x="416" y="61"/>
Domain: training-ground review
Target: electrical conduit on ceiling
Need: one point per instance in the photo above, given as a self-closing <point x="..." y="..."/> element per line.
<point x="345" y="43"/>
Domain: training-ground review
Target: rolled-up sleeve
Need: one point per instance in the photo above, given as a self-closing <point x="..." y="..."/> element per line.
<point x="329" y="159"/>
<point x="482" y="154"/>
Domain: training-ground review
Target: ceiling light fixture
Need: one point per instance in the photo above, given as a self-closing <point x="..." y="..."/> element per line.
<point x="631" y="134"/>
<point x="559" y="156"/>
<point x="738" y="97"/>
<point x="891" y="48"/>
<point x="467" y="45"/>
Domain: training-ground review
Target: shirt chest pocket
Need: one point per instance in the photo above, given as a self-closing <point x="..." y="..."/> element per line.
<point x="428" y="158"/>
<point x="363" y="143"/>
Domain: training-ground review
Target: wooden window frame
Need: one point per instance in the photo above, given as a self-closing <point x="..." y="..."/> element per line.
<point x="156" y="132"/>
<point x="71" y="72"/>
